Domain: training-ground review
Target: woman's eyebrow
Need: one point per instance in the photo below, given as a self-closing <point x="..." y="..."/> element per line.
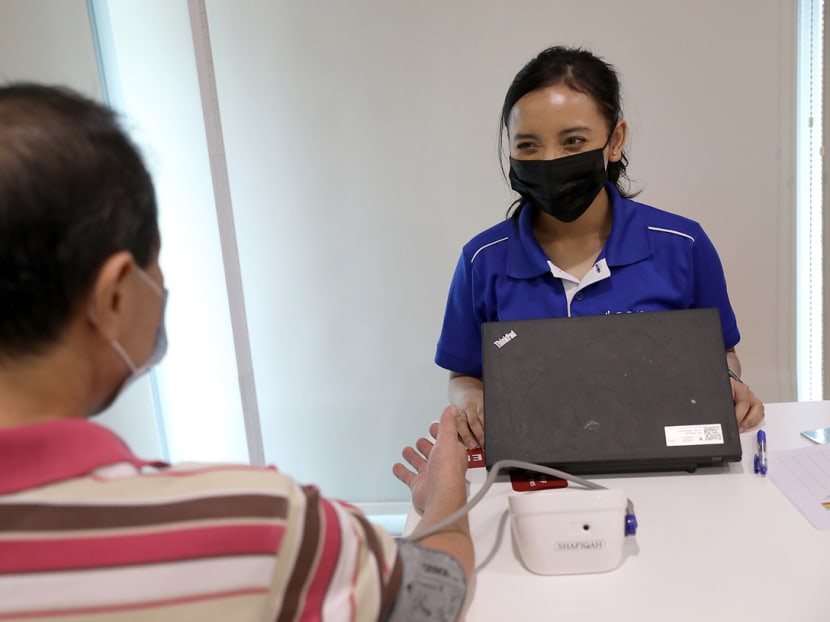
<point x="571" y="130"/>
<point x="523" y="136"/>
<point x="565" y="132"/>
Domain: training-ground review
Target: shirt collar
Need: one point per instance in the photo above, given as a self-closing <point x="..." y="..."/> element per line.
<point x="627" y="243"/>
<point x="525" y="258"/>
<point x="44" y="453"/>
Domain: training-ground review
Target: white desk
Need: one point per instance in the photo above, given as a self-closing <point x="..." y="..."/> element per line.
<point x="719" y="544"/>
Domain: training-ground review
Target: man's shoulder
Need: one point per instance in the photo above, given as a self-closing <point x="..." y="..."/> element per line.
<point x="212" y="477"/>
<point x="172" y="484"/>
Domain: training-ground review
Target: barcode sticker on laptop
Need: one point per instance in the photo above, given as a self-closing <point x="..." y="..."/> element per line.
<point x="682" y="435"/>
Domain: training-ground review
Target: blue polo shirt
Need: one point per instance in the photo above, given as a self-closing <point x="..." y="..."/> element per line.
<point x="652" y="261"/>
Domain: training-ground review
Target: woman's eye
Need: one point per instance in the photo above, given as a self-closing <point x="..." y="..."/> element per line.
<point x="574" y="140"/>
<point x="525" y="146"/>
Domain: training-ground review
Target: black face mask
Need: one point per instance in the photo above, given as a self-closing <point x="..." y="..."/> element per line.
<point x="564" y="187"/>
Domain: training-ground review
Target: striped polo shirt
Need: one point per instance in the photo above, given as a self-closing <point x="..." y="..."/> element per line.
<point x="88" y="531"/>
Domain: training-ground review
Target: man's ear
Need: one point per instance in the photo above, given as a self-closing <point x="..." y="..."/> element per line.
<point x="109" y="292"/>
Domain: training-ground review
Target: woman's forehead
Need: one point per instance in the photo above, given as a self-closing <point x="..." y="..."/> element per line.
<point x="554" y="105"/>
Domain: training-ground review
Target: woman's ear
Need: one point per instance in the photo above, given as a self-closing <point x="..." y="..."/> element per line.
<point x="109" y="292"/>
<point x="617" y="142"/>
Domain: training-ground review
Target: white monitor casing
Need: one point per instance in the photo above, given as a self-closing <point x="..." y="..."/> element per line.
<point x="569" y="531"/>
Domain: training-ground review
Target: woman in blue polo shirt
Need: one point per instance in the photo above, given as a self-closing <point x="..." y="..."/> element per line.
<point x="576" y="243"/>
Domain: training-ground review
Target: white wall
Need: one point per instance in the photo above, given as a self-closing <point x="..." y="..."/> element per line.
<point x="714" y="139"/>
<point x="151" y="49"/>
<point x="361" y="139"/>
<point x="49" y="41"/>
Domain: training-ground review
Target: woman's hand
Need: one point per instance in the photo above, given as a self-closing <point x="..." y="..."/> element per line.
<point x="749" y="410"/>
<point x="470" y="424"/>
<point x="467" y="393"/>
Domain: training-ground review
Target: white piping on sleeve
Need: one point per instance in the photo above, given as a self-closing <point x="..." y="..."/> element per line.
<point x="473" y="258"/>
<point x="680" y="233"/>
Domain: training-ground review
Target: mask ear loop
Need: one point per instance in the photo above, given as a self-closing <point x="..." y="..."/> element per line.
<point x="119" y="349"/>
<point x="153" y="285"/>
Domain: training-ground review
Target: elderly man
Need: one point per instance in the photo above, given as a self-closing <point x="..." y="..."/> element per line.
<point x="87" y="529"/>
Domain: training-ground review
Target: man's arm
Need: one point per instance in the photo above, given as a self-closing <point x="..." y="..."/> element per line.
<point x="439" y="488"/>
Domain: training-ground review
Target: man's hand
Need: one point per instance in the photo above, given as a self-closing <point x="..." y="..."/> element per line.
<point x="438" y="468"/>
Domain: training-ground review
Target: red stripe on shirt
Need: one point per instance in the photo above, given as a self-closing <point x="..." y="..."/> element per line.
<point x="326" y="563"/>
<point x="134" y="549"/>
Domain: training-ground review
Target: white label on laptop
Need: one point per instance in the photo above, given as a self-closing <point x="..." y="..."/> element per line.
<point x="682" y="435"/>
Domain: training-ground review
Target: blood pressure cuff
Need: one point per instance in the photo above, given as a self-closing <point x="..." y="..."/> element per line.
<point x="433" y="586"/>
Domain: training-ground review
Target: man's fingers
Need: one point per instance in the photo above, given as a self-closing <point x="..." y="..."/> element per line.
<point x="403" y="474"/>
<point x="447" y="421"/>
<point x="414" y="458"/>
<point x="433" y="428"/>
<point x="424" y="446"/>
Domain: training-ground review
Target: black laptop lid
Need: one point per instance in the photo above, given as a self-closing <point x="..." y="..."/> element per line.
<point x="614" y="393"/>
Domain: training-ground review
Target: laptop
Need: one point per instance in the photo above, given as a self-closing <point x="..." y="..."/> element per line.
<point x="609" y="394"/>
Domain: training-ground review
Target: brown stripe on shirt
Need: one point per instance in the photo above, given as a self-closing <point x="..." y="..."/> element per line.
<point x="313" y="532"/>
<point x="389" y="594"/>
<point x="53" y="517"/>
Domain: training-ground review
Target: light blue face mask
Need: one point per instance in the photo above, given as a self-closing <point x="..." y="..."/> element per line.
<point x="160" y="344"/>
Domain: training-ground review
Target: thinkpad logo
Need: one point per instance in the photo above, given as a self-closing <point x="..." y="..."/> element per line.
<point x="503" y="341"/>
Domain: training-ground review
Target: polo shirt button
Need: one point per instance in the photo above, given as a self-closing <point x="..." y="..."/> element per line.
<point x="579" y="296"/>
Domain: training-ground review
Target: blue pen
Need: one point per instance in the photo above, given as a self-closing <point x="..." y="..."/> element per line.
<point x="761" y="456"/>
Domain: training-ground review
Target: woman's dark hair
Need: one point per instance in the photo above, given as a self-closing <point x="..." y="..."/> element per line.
<point x="583" y="72"/>
<point x="73" y="191"/>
